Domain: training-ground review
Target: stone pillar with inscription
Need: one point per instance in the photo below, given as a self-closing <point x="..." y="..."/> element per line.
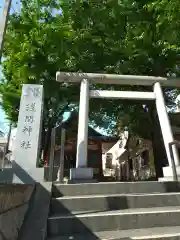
<point x="27" y="143"/>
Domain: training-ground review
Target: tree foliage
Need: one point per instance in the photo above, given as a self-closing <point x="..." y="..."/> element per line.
<point x="109" y="36"/>
<point x="124" y="37"/>
<point x="36" y="47"/>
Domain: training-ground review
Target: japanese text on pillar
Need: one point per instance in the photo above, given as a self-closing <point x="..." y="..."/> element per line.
<point x="29" y="119"/>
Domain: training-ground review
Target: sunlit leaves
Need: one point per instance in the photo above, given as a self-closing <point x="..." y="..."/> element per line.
<point x="123" y="37"/>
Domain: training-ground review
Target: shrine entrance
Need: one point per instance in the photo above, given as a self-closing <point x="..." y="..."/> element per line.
<point x="82" y="171"/>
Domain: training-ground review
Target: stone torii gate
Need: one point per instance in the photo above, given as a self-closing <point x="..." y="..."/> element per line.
<point x="82" y="172"/>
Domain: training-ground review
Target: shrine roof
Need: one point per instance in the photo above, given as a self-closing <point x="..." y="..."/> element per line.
<point x="71" y="126"/>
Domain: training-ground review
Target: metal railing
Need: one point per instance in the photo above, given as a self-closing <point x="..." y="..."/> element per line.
<point x="60" y="174"/>
<point x="51" y="156"/>
<point x="176" y="143"/>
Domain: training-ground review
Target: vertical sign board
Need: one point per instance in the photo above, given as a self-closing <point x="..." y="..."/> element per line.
<point x="29" y="126"/>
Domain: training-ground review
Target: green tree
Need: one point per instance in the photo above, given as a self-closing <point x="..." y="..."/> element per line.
<point x="36" y="46"/>
<point x="123" y="38"/>
<point x="110" y="36"/>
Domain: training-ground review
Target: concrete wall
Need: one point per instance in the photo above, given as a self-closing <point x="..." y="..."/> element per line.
<point x="35" y="224"/>
<point x="14" y="201"/>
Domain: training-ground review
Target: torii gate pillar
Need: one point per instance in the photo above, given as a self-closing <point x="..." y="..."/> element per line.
<point x="82" y="172"/>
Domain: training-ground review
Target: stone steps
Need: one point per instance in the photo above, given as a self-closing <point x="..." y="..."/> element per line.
<point x="60" y="190"/>
<point x="83" y="222"/>
<point x="139" y="210"/>
<point x="171" y="233"/>
<point x="113" y="202"/>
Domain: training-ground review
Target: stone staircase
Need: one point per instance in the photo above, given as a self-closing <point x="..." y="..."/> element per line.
<point x="141" y="210"/>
